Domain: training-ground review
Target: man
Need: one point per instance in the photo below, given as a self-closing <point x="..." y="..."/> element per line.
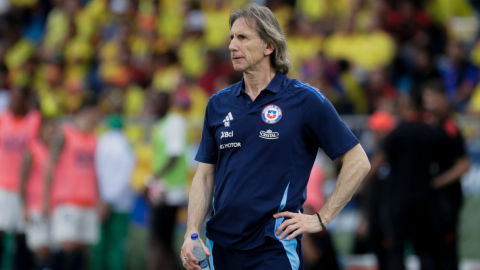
<point x="18" y="127"/>
<point x="459" y="75"/>
<point x="114" y="161"/>
<point x="374" y="190"/>
<point x="408" y="212"/>
<point x="31" y="189"/>
<point x="167" y="191"/>
<point x="4" y="93"/>
<point x="259" y="143"/>
<point x="453" y="162"/>
<point x="75" y="219"/>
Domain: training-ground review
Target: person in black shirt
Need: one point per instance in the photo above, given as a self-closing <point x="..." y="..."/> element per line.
<point x="453" y="162"/>
<point x="373" y="194"/>
<point x="407" y="214"/>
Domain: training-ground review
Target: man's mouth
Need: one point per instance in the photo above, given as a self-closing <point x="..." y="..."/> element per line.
<point x="237" y="57"/>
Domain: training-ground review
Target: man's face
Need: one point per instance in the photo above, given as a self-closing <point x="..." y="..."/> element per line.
<point x="379" y="135"/>
<point x="246" y="46"/>
<point x="92" y="117"/>
<point x="47" y="132"/>
<point x="434" y="102"/>
<point x="18" y="101"/>
<point x="159" y="104"/>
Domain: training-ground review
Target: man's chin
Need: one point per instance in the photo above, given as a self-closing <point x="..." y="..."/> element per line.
<point x="239" y="68"/>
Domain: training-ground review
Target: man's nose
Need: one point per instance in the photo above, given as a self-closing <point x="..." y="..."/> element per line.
<point x="233" y="46"/>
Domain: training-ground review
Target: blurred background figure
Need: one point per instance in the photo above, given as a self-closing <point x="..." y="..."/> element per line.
<point x="459" y="75"/>
<point x="452" y="163"/>
<point x="409" y="212"/>
<point x="4" y="93"/>
<point x="70" y="177"/>
<point x="374" y="194"/>
<point x="114" y="162"/>
<point x="167" y="191"/>
<point x="318" y="248"/>
<point x="19" y="126"/>
<point x="37" y="229"/>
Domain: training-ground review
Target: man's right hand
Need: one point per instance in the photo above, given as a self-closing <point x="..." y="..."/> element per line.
<point x="190" y="261"/>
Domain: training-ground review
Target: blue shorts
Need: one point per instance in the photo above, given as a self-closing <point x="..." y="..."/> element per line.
<point x="273" y="254"/>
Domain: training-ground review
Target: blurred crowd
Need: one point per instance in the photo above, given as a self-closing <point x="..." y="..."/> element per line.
<point x="151" y="66"/>
<point x="363" y="54"/>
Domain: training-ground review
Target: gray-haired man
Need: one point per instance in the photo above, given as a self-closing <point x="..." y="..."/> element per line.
<point x="260" y="139"/>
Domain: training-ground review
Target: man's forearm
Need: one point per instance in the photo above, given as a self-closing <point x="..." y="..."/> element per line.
<point x="355" y="167"/>
<point x="200" y="198"/>
<point x="167" y="167"/>
<point x="378" y="160"/>
<point x="460" y="167"/>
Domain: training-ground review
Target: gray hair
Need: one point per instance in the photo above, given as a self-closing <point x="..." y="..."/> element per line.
<point x="269" y="30"/>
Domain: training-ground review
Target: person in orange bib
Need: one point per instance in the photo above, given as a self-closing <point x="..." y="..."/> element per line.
<point x="37" y="226"/>
<point x="18" y="126"/>
<point x="70" y="176"/>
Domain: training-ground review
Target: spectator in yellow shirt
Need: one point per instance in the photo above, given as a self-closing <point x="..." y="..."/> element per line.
<point x="192" y="50"/>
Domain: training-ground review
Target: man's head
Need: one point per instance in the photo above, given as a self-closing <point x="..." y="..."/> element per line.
<point x="257" y="40"/>
<point x="48" y="129"/>
<point x="455" y="51"/>
<point x="20" y="100"/>
<point x="434" y="99"/>
<point x="410" y="105"/>
<point x="88" y="116"/>
<point x="160" y="103"/>
<point x="3" y="76"/>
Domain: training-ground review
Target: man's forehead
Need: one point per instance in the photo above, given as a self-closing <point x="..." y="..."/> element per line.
<point x="242" y="25"/>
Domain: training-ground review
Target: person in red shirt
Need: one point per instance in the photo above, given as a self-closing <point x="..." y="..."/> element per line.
<point x="37" y="227"/>
<point x="18" y="126"/>
<point x="70" y="178"/>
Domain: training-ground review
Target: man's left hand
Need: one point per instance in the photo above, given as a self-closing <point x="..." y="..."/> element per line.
<point x="297" y="224"/>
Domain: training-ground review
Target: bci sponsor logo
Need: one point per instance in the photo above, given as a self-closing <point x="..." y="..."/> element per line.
<point x="230" y="145"/>
<point x="226" y="134"/>
<point x="269" y="135"/>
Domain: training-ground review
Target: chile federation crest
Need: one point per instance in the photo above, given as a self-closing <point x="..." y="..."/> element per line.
<point x="271" y="114"/>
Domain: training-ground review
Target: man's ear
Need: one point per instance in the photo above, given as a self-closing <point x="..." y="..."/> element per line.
<point x="268" y="49"/>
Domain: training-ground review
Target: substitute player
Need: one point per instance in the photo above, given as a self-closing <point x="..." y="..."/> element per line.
<point x="408" y="213"/>
<point x="31" y="189"/>
<point x="375" y="188"/>
<point x="453" y="162"/>
<point x="259" y="143"/>
<point x="18" y="126"/>
<point x="170" y="169"/>
<point x="75" y="220"/>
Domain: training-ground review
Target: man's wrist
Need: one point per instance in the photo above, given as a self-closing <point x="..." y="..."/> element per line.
<point x="326" y="219"/>
<point x="189" y="233"/>
<point x="320" y="221"/>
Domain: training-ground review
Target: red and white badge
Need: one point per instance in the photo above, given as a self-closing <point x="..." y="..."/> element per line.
<point x="271" y="114"/>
